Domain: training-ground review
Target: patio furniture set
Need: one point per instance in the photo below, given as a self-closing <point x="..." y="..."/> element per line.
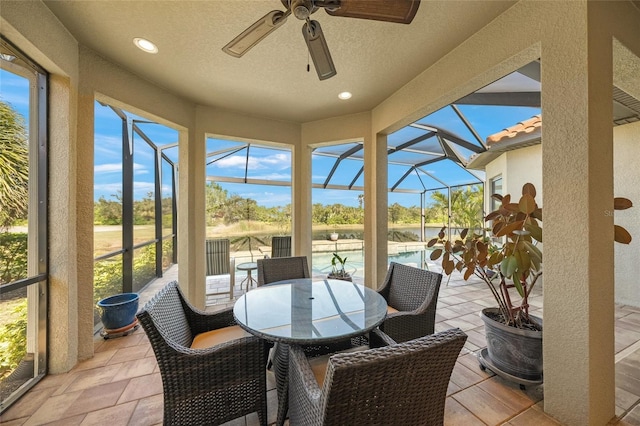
<point x="343" y="354"/>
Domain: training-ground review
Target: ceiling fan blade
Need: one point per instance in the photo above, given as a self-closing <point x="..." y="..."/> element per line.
<point x="318" y="49"/>
<point x="400" y="11"/>
<point x="256" y="32"/>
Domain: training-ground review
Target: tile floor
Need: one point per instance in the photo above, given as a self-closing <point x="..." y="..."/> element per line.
<point x="121" y="384"/>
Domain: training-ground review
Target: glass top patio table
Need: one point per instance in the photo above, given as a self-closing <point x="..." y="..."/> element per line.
<point x="310" y="311"/>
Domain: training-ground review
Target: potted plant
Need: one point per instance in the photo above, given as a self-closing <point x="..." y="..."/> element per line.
<point x="337" y="268"/>
<point x="510" y="268"/>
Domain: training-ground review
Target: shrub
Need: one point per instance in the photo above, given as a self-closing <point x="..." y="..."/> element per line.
<point x="13" y="256"/>
<point x="13" y="340"/>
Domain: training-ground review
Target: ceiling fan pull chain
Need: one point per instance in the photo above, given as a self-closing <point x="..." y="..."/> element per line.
<point x="308" y="67"/>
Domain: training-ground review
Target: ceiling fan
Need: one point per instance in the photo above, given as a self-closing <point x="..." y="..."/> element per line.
<point x="399" y="11"/>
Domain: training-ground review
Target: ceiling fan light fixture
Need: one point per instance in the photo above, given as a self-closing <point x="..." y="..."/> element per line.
<point x="255" y="33"/>
<point x="145" y="45"/>
<point x="318" y="50"/>
<point x="344" y="95"/>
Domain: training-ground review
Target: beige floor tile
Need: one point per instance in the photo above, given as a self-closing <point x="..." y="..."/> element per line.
<point x="456" y="415"/>
<point x="509" y="394"/>
<point x="447" y="313"/>
<point x="135" y="368"/>
<point x="149" y="411"/>
<point x="53" y="409"/>
<point x="625" y="399"/>
<point x="96" y="398"/>
<point x="464" y="377"/>
<point x="466" y="308"/>
<point x="69" y="421"/>
<point x="90" y="378"/>
<point x="477" y="337"/>
<point x="459" y="323"/>
<point x="116" y="415"/>
<point x="533" y="417"/>
<point x="129" y="353"/>
<point x="633" y="417"/>
<point x="629" y="383"/>
<point x="452" y="300"/>
<point x="27" y="405"/>
<point x="471" y="362"/>
<point x="124" y="342"/>
<point x="14" y="422"/>
<point x="485" y="406"/>
<point x="100" y="359"/>
<point x="142" y="387"/>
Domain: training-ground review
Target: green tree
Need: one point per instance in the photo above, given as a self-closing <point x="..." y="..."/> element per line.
<point x="14" y="166"/>
<point x="144" y="211"/>
<point x="215" y="201"/>
<point x="466" y="206"/>
<point x="440" y="206"/>
<point x="108" y="212"/>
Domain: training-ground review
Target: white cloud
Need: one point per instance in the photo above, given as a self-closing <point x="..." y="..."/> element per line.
<point x="139" y="169"/>
<point x="108" y="168"/>
<point x="108" y="188"/>
<point x="275" y="161"/>
<point x="143" y="187"/>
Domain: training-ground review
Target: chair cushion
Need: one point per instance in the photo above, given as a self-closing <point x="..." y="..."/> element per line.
<point x="215" y="337"/>
<point x="319" y="364"/>
<point x="391" y="310"/>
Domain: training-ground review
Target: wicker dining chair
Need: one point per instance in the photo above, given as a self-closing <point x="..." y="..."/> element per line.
<point x="220" y="262"/>
<point x="281" y="246"/>
<point x="401" y="384"/>
<point x="411" y="294"/>
<point x="212" y="371"/>
<point x="282" y="268"/>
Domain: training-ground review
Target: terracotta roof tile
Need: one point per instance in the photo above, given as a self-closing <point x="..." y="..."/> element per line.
<point x="522" y="128"/>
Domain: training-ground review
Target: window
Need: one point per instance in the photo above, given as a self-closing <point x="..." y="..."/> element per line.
<point x="23" y="225"/>
<point x="495" y="187"/>
<point x="134" y="201"/>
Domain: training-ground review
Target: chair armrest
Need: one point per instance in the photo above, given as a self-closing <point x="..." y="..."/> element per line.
<point x="379" y="339"/>
<point x="304" y="392"/>
<point x="202" y="321"/>
<point x="407" y="325"/>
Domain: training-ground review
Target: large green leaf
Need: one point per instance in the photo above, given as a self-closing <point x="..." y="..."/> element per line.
<point x="523" y="259"/>
<point x="508" y="266"/>
<point x="529" y="189"/>
<point x="535" y="231"/>
<point x="508" y="229"/>
<point x="527" y="204"/>
<point x="436" y="254"/>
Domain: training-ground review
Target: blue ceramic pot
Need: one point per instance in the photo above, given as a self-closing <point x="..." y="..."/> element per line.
<point x="118" y="311"/>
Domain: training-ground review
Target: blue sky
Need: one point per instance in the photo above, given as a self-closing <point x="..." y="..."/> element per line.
<point x="265" y="164"/>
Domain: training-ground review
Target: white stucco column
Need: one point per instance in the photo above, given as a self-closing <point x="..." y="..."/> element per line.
<point x="301" y="201"/>
<point x="63" y="282"/>
<point x="577" y="156"/>
<point x="375" y="209"/>
<point x="84" y="184"/>
<point x="191" y="215"/>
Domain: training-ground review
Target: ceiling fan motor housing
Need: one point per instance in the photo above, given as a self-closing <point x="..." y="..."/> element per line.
<point x="302" y="9"/>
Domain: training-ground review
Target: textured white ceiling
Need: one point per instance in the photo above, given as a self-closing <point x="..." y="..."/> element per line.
<point x="373" y="59"/>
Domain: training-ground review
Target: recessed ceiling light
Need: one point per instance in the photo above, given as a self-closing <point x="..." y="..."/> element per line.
<point x="146" y="45"/>
<point x="344" y="95"/>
